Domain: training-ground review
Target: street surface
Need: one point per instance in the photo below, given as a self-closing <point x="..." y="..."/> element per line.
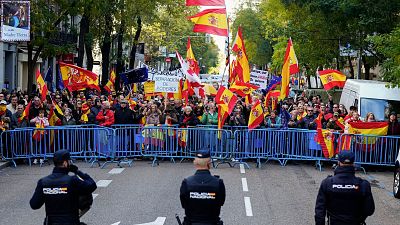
<point x="143" y="194"/>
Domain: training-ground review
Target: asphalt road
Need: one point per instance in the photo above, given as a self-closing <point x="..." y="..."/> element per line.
<point x="140" y="194"/>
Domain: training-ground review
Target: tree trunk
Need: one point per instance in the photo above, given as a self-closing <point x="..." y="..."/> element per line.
<point x="351" y="68"/>
<point x="367" y="68"/>
<point x="89" y="54"/>
<point x="120" y="65"/>
<point x="83" y="30"/>
<point x="135" y="42"/>
<point x="105" y="50"/>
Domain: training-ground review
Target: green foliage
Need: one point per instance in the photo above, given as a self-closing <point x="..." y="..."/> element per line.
<point x="258" y="49"/>
<point x="389" y="46"/>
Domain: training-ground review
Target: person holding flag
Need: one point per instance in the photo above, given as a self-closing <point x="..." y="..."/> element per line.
<point x="18" y="119"/>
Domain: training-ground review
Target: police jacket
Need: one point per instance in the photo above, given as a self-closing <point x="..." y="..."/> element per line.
<point x="202" y="196"/>
<point x="344" y="198"/>
<point x="60" y="193"/>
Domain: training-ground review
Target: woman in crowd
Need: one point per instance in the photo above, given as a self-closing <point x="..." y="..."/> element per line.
<point x="210" y="116"/>
<point x="370" y="117"/>
<point x="188" y="118"/>
<point x="152" y="114"/>
<point x="274" y="120"/>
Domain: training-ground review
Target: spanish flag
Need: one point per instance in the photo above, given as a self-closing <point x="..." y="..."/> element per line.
<point x="193" y="64"/>
<point x="273" y="94"/>
<point x="187" y="91"/>
<point x="325" y="138"/>
<point x="290" y="66"/>
<point x="241" y="69"/>
<point x="205" y="2"/>
<point x="39" y="132"/>
<point x="256" y="116"/>
<point x="243" y="89"/>
<point x="110" y="84"/>
<point x="332" y="78"/>
<point x="76" y="78"/>
<point x="41" y="85"/>
<point x="25" y="113"/>
<point x="211" y="21"/>
<point x="226" y="99"/>
<point x="369" y="128"/>
<point x="53" y="118"/>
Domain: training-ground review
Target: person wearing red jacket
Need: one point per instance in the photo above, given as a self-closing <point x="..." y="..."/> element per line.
<point x="106" y="115"/>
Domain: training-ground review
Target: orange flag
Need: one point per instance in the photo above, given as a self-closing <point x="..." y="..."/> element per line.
<point x="243" y="89"/>
<point x="290" y="66"/>
<point x="76" y="78"/>
<point x="226" y="99"/>
<point x="242" y="68"/>
<point x="211" y="21"/>
<point x="191" y="59"/>
<point x="109" y="87"/>
<point x="41" y="85"/>
<point x="332" y="78"/>
<point x="256" y="116"/>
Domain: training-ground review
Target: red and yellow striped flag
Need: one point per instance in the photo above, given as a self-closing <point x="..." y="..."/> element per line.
<point x="369" y="128"/>
<point x="242" y="68"/>
<point x="290" y="66"/>
<point x="25" y="113"/>
<point x="41" y="85"/>
<point x="243" y="89"/>
<point x="332" y="78"/>
<point x="193" y="64"/>
<point x="205" y="2"/>
<point x="256" y="116"/>
<point x="109" y="87"/>
<point x="211" y="21"/>
<point x="226" y="99"/>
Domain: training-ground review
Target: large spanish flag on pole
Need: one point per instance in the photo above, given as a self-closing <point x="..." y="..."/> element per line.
<point x="243" y="89"/>
<point x="256" y="116"/>
<point x="76" y="78"/>
<point x="226" y="99"/>
<point x="193" y="64"/>
<point x="205" y="2"/>
<point x="290" y="66"/>
<point x="41" y="85"/>
<point x="242" y="67"/>
<point x="332" y="78"/>
<point x="211" y="21"/>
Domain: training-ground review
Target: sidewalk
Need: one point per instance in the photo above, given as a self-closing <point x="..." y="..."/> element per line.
<point x="4" y="164"/>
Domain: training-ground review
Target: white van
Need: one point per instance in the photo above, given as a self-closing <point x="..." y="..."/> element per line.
<point x="371" y="96"/>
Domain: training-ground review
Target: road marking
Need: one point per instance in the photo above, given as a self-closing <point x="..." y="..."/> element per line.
<point x="244" y="185"/>
<point x="116" y="171"/>
<point x="95" y="195"/>
<point x="241" y="166"/>
<point x="103" y="183"/>
<point x="247" y="205"/>
<point x="158" y="221"/>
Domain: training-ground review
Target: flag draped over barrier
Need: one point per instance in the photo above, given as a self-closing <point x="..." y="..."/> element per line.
<point x="290" y="66"/>
<point x="332" y="78"/>
<point x="211" y="21"/>
<point x="325" y="138"/>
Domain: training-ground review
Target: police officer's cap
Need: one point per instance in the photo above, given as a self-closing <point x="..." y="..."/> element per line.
<point x="203" y="154"/>
<point x="61" y="155"/>
<point x="346" y="157"/>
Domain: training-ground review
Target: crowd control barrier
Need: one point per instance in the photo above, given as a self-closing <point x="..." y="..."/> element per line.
<point x="123" y="143"/>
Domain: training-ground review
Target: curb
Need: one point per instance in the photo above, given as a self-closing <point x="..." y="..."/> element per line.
<point x="4" y="164"/>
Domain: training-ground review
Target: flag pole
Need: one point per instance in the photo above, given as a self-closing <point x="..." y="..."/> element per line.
<point x="228" y="52"/>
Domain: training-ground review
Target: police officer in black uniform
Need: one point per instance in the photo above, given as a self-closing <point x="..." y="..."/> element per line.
<point x="344" y="198"/>
<point x="202" y="194"/>
<point x="61" y="192"/>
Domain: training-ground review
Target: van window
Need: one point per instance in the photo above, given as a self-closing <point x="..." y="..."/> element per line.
<point x="381" y="108"/>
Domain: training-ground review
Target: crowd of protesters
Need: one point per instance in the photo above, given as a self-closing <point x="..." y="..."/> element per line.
<point x="87" y="107"/>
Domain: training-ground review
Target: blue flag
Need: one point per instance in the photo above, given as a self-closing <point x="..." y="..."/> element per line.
<point x="135" y="76"/>
<point x="59" y="80"/>
<point x="275" y="80"/>
<point x="49" y="79"/>
<point x="285" y="117"/>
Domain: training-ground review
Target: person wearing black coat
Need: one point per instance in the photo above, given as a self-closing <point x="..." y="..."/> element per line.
<point x="123" y="114"/>
<point x="61" y="193"/>
<point x="344" y="198"/>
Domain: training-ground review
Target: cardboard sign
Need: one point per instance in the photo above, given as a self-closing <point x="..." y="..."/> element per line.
<point x="169" y="84"/>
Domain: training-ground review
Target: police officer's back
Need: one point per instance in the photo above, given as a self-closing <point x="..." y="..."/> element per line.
<point x="60" y="192"/>
<point x="202" y="194"/>
<point x="344" y="198"/>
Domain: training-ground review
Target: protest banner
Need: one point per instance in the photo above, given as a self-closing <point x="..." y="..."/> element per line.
<point x="169" y="84"/>
<point x="259" y="78"/>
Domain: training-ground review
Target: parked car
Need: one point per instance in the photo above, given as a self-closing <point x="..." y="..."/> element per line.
<point x="396" y="179"/>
